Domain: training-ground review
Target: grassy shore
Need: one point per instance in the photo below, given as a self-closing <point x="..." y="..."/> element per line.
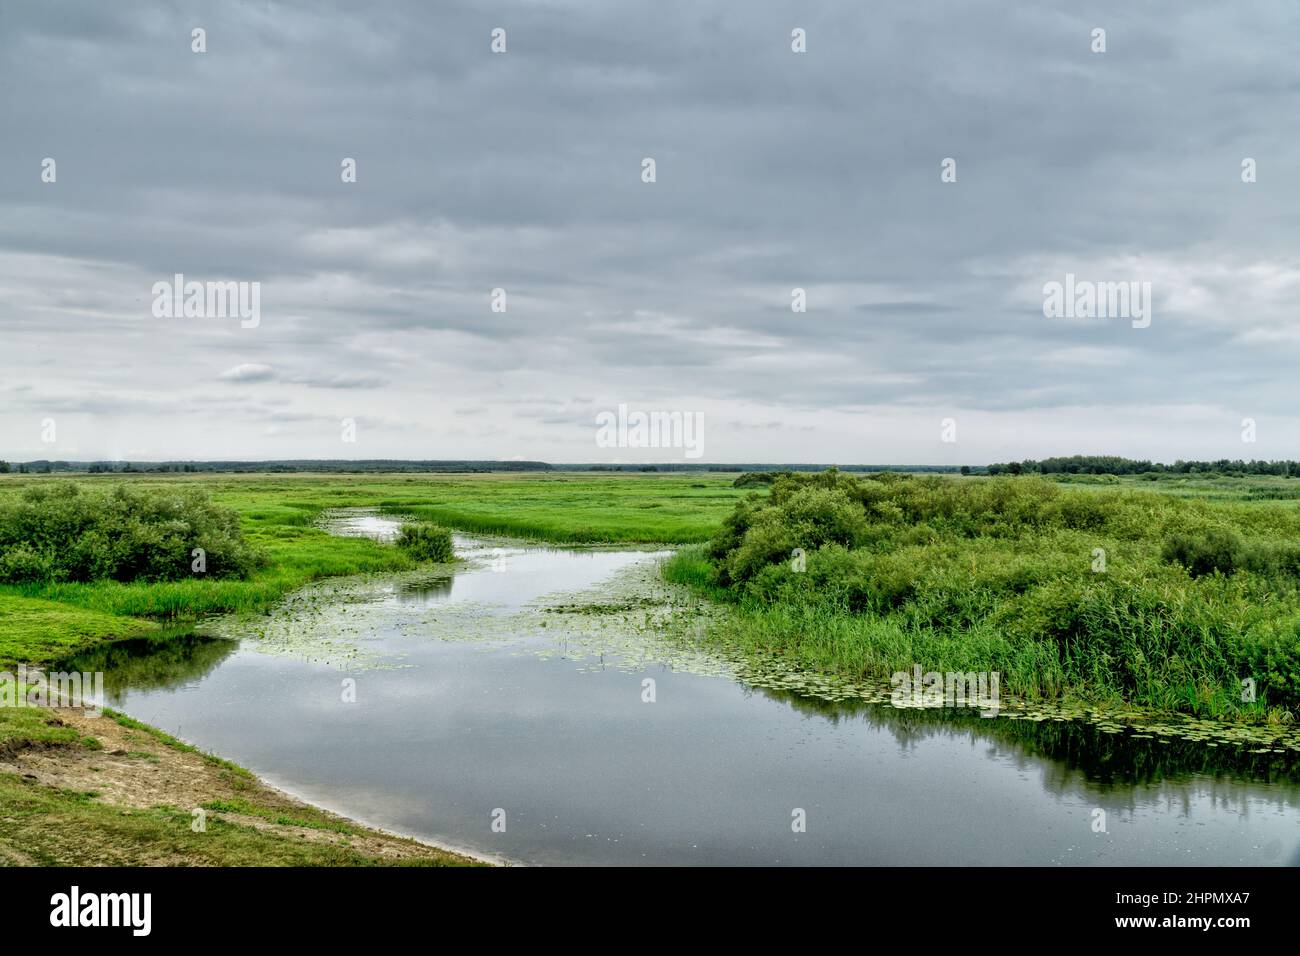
<point x="84" y="791"/>
<point x="38" y="631"/>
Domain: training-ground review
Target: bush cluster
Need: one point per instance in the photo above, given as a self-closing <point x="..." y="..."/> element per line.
<point x="56" y="533"/>
<point x="1191" y="599"/>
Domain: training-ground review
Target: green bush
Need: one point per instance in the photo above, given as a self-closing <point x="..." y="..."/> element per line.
<point x="426" y="541"/>
<point x="1223" y="551"/>
<point x="1003" y="574"/>
<point x="757" y="479"/>
<point x="57" y="533"/>
<point x="1215" y="550"/>
<point x="20" y="564"/>
<point x="768" y="539"/>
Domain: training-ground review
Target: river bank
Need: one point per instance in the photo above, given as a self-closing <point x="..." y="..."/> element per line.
<point x="77" y="790"/>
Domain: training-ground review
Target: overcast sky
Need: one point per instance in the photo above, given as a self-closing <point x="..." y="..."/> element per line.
<point x="774" y="170"/>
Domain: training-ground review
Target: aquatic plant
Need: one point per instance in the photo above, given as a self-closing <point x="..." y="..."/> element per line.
<point x="426" y="541"/>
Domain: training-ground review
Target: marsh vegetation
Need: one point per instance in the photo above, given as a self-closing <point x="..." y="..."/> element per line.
<point x="426" y="541"/>
<point x="1096" y="595"/>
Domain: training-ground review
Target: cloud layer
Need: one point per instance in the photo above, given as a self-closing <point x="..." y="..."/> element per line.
<point x="522" y="171"/>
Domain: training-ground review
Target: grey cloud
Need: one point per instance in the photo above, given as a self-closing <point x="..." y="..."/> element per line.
<point x="521" y="171"/>
<point x="248" y="372"/>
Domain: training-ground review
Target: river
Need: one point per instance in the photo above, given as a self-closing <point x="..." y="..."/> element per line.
<point x="495" y="710"/>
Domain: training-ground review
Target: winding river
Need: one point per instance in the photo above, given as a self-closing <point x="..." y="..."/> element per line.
<point x="530" y="708"/>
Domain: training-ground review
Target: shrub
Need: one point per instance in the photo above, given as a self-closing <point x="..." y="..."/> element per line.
<point x="734" y="526"/>
<point x="20" y="564"/>
<point x="767" y="540"/>
<point x="426" y="541"/>
<point x="818" y="516"/>
<point x="1217" y="549"/>
<point x="757" y="479"/>
<point x="61" y="533"/>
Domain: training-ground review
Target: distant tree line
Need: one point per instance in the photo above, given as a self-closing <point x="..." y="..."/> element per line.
<point x="1115" y="465"/>
<point x="1072" y="465"/>
<point x="390" y="465"/>
<point x="298" y="465"/>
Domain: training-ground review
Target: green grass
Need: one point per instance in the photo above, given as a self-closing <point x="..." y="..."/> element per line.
<point x="308" y="818"/>
<point x="563" y="508"/>
<point x="1203" y="487"/>
<point x="24" y="726"/>
<point x="38" y="631"/>
<point x="425" y="541"/>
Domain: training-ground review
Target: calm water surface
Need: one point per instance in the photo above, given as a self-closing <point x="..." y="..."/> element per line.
<point x="462" y="710"/>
